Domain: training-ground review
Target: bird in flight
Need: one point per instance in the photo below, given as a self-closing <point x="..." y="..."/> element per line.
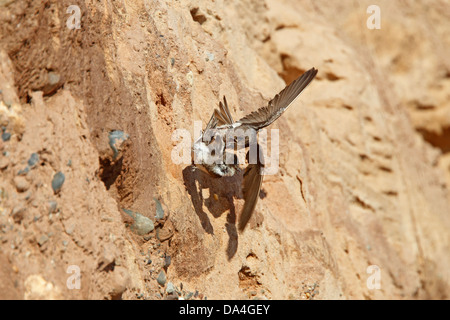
<point x="214" y="154"/>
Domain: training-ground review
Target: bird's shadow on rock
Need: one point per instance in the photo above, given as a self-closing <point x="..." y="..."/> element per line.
<point x="222" y="191"/>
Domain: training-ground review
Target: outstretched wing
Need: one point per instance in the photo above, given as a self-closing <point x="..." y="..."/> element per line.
<point x="266" y="115"/>
<point x="224" y="115"/>
<point x="252" y="185"/>
<point x="221" y="116"/>
<point x="212" y="124"/>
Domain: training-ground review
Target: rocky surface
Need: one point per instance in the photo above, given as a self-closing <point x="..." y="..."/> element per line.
<point x="364" y="154"/>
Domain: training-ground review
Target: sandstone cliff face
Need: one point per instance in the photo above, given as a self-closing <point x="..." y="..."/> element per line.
<point x="364" y="153"/>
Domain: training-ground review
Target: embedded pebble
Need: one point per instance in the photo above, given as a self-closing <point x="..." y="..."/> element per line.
<point x="119" y="283"/>
<point x="57" y="182"/>
<point x="34" y="159"/>
<point x="28" y="195"/>
<point x="18" y="214"/>
<point x="209" y="56"/>
<point x="53" y="78"/>
<point x="161" y="279"/>
<point x="42" y="240"/>
<point x="52" y="206"/>
<point x="6" y="136"/>
<point x="142" y="225"/>
<point x="53" y="83"/>
<point x="159" y="210"/>
<point x="24" y="171"/>
<point x="70" y="229"/>
<point x="21" y="184"/>
<point x="170" y="288"/>
<point x="167" y="261"/>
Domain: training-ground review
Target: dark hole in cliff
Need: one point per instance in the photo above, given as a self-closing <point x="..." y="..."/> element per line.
<point x="439" y="140"/>
<point x="290" y="72"/>
<point x="110" y="170"/>
<point x="161" y="100"/>
<point x="108" y="267"/>
<point x="197" y="16"/>
<point x="332" y="77"/>
<point x="116" y="296"/>
<point x="447" y="74"/>
<point x="247" y="279"/>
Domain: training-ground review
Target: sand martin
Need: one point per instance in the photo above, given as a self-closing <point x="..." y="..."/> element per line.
<point x="212" y="151"/>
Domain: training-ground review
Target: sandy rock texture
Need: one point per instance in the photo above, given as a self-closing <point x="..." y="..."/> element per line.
<point x="362" y="191"/>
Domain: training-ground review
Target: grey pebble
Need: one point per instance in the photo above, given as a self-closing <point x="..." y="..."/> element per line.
<point x="142" y="225"/>
<point x="57" y="182"/>
<point x="209" y="56"/>
<point x="52" y="206"/>
<point x="42" y="240"/>
<point x="34" y="159"/>
<point x="170" y="288"/>
<point x="139" y="295"/>
<point x="167" y="261"/>
<point x="53" y="78"/>
<point x="188" y="295"/>
<point x="6" y="136"/>
<point x="70" y="229"/>
<point x="161" y="279"/>
<point x="23" y="171"/>
<point x="159" y="210"/>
